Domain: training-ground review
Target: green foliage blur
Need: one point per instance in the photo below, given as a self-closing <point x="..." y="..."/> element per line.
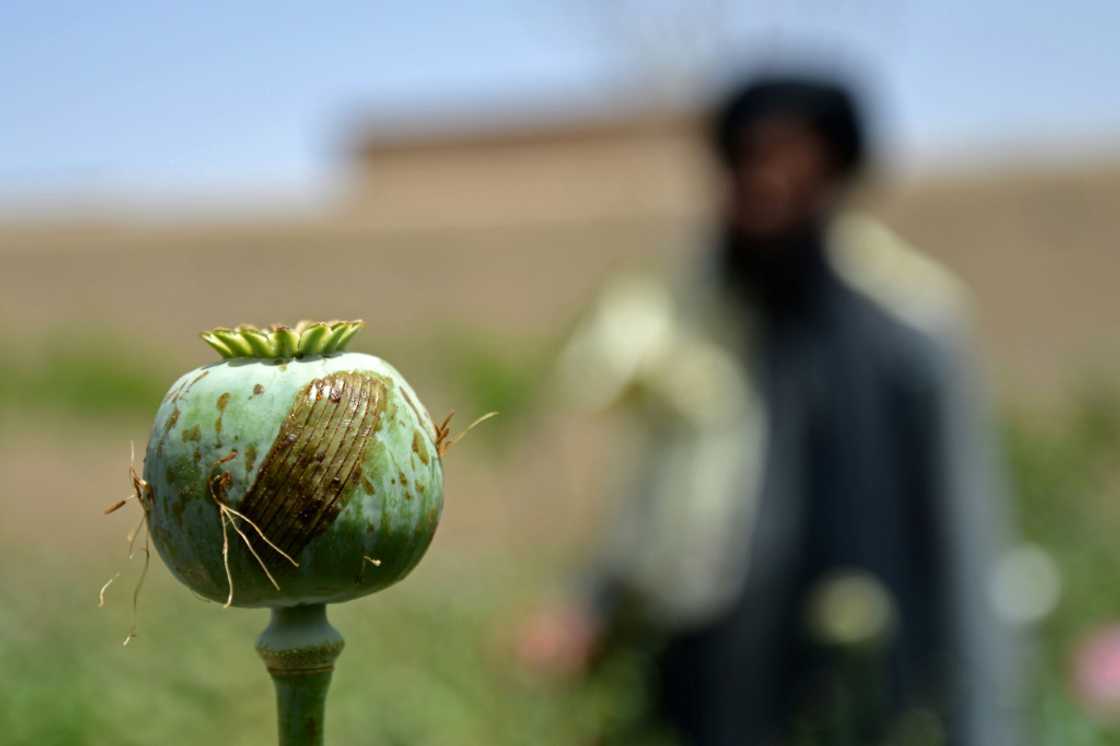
<point x="86" y="374"/>
<point x="490" y="373"/>
<point x="429" y="663"/>
<point x="423" y="665"/>
<point x="1067" y="479"/>
<point x="98" y="375"/>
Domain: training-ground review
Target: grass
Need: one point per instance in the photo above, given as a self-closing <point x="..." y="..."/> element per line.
<point x="85" y="374"/>
<point x="1068" y="488"/>
<point x="98" y="375"/>
<point x="425" y="662"/>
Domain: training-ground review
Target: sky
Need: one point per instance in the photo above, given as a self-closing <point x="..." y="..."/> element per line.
<point x="160" y="102"/>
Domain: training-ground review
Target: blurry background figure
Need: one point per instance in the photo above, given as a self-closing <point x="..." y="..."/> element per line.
<point x="810" y="406"/>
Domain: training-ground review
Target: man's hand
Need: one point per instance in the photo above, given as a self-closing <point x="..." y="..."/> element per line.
<point x="559" y="640"/>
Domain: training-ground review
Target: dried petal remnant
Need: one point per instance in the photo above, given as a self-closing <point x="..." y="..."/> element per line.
<point x="444" y="440"/>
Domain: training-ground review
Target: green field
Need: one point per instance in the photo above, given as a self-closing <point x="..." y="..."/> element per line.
<point x="426" y="662"/>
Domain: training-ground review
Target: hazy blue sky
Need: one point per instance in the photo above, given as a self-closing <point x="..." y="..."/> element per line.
<point x="152" y="100"/>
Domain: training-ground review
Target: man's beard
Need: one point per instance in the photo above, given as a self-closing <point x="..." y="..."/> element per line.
<point x="781" y="273"/>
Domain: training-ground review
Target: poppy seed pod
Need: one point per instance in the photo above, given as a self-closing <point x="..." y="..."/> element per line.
<point x="291" y="472"/>
<point x="291" y="475"/>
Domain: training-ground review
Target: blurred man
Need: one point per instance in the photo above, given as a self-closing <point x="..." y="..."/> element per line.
<point x="809" y="412"/>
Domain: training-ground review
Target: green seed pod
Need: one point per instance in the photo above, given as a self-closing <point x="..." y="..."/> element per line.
<point x="292" y="472"/>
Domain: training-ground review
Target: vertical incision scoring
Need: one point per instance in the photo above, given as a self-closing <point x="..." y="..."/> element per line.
<point x="308" y="474"/>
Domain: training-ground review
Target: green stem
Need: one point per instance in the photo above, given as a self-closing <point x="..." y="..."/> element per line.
<point x="299" y="647"/>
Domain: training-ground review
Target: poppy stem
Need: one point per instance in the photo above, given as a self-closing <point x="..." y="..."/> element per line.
<point x="299" y="648"/>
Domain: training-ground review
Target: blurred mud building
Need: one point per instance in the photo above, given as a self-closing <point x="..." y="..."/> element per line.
<point x="603" y="166"/>
<point x="1029" y="237"/>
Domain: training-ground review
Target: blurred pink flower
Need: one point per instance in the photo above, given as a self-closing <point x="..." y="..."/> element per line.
<point x="1096" y="672"/>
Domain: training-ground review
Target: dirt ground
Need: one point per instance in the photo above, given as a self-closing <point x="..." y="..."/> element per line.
<point x="1036" y="248"/>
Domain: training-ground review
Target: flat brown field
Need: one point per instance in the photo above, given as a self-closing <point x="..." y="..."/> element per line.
<point x="1038" y="249"/>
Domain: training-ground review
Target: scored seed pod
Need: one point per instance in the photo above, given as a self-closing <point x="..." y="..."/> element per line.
<point x="290" y="475"/>
<point x="292" y="472"/>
